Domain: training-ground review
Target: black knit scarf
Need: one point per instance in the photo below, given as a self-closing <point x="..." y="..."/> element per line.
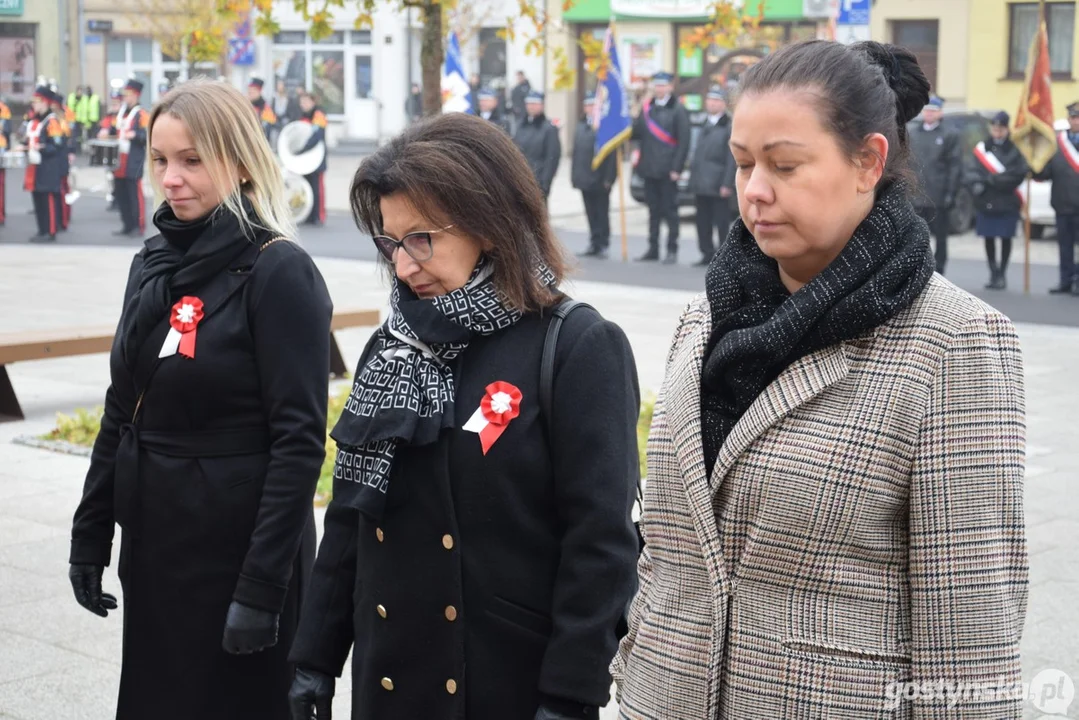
<point x="404" y="393"/>
<point x="194" y="252"/>
<point x="759" y="328"/>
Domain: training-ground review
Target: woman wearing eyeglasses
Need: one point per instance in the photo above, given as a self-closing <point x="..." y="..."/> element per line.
<point x="478" y="554"/>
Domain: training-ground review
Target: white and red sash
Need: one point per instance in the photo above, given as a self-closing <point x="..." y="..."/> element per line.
<point x="993" y="165"/>
<point x="124" y="122"/>
<point x="1068" y="150"/>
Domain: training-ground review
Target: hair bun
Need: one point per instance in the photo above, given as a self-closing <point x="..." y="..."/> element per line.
<point x="904" y="76"/>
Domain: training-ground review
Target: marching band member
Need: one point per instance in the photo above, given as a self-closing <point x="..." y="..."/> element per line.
<point x="5" y="143"/>
<point x="66" y="117"/>
<point x="46" y="146"/>
<point x="313" y="114"/>
<point x="130" y="128"/>
<point x="267" y="117"/>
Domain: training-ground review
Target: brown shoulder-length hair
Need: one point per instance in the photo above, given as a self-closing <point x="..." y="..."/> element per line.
<point x="461" y="170"/>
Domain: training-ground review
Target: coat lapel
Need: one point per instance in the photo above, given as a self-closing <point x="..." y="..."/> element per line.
<point x="806" y="378"/>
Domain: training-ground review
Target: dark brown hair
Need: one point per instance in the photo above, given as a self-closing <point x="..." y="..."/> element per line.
<point x="861" y="89"/>
<point x="461" y="170"/>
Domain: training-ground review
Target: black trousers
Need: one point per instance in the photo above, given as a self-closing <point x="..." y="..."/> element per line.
<point x="47" y="211"/>
<point x="937" y="219"/>
<point x="662" y="199"/>
<point x="713" y="213"/>
<point x="597" y="206"/>
<point x="318" y="189"/>
<point x="128" y="192"/>
<point x="1067" y="239"/>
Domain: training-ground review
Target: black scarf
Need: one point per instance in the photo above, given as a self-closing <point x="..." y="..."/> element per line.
<point x="404" y="394"/>
<point x="194" y="252"/>
<point x="759" y="328"/>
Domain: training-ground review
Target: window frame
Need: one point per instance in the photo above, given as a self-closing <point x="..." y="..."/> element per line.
<point x="348" y="40"/>
<point x="1009" y="72"/>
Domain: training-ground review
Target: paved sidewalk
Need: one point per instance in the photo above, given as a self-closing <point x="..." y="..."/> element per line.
<point x="58" y="662"/>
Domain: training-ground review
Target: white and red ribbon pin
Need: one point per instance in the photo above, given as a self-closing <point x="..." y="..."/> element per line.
<point x="184" y="320"/>
<point x="499" y="405"/>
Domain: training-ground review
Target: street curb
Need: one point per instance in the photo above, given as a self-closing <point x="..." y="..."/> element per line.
<point x="58" y="446"/>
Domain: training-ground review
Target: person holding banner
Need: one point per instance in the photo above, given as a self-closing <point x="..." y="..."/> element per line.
<point x="995" y="181"/>
<point x="595" y="185"/>
<point x="662" y="128"/>
<point x="1063" y="170"/>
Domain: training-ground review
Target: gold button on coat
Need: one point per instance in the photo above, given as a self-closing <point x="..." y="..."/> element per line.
<point x="451" y="686"/>
<point x="387" y="683"/>
<point x="379" y="534"/>
<point x="451" y="613"/>
<point x="447" y="542"/>
<point x="381" y="611"/>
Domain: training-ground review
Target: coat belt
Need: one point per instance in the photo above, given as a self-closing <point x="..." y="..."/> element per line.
<point x="190" y="444"/>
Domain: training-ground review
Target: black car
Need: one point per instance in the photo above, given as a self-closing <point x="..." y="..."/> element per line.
<point x="973" y="128"/>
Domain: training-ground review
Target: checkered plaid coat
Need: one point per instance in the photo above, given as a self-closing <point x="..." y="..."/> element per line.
<point x="863" y="526"/>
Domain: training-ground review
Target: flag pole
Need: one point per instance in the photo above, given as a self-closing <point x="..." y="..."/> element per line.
<point x="620" y="161"/>
<point x="1026" y="241"/>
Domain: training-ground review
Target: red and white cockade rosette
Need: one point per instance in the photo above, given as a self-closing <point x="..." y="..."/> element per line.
<point x="499" y="405"/>
<point x="184" y="320"/>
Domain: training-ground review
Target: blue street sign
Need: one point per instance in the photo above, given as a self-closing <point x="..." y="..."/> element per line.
<point x="853" y="12"/>
<point x="241" y="51"/>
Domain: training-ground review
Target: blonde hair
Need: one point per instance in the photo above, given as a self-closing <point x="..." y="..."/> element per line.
<point x="229" y="139"/>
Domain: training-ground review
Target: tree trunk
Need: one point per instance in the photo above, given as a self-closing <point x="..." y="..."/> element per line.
<point x="431" y="58"/>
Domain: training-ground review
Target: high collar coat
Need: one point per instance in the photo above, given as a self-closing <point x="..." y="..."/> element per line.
<point x="863" y="526"/>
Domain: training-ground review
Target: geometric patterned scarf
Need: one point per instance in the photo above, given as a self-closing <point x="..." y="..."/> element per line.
<point x="404" y="394"/>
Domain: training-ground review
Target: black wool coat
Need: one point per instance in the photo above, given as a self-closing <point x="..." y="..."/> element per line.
<point x="582" y="175"/>
<point x="539" y="142"/>
<point x="998" y="195"/>
<point x="712" y="166"/>
<point x="492" y="582"/>
<point x="1064" y="195"/>
<point x="658" y="159"/>
<point x="937" y="159"/>
<point x="212" y="484"/>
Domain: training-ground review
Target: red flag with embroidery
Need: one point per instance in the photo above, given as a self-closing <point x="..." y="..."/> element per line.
<point x="1033" y="134"/>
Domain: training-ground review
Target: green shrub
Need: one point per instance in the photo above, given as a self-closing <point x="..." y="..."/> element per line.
<point x="81" y="428"/>
<point x="324" y="492"/>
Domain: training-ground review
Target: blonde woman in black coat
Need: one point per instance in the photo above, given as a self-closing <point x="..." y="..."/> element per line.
<point x="214" y="428"/>
<point x="479" y="551"/>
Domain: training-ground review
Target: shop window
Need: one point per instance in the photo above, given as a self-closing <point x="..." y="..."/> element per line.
<point x="328" y="80"/>
<point x="335" y="38"/>
<point x="1060" y="26"/>
<point x="363" y="76"/>
<point x="361" y="37"/>
<point x="18" y="71"/>
<point x="142" y="50"/>
<point x="117" y="50"/>
<point x="492" y="59"/>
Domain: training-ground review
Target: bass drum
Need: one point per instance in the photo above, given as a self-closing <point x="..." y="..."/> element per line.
<point x="298" y="195"/>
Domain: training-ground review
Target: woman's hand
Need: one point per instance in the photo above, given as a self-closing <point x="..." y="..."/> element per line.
<point x="86" y="582"/>
<point x="248" y="630"/>
<point x="311" y="695"/>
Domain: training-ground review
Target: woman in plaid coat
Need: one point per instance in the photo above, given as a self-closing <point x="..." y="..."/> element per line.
<point x="833" y="515"/>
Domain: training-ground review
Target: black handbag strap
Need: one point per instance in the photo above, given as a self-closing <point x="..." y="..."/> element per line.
<point x="547" y="363"/>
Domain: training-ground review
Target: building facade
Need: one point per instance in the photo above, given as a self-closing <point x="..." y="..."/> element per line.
<point x="36" y="40"/>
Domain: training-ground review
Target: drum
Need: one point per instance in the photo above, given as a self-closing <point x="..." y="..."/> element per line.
<point x="298" y="194"/>
<point x="12" y="159"/>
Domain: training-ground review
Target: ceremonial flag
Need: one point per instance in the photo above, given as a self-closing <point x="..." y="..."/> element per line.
<point x="456" y="93"/>
<point x="1033" y="133"/>
<point x="610" y="116"/>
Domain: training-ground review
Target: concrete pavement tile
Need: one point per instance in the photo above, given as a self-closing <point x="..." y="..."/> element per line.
<point x="16" y="531"/>
<point x="59" y="618"/>
<point x="1054" y="532"/>
<point x="22" y="657"/>
<point x="85" y="692"/>
<point x="55" y="508"/>
<point x="107" y="645"/>
<point x="19" y="586"/>
<point x="47" y="558"/>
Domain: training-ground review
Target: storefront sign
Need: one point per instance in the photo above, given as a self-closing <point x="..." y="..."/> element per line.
<point x="642" y="57"/>
<point x="668" y="9"/>
<point x="11" y="7"/>
<point x="690" y="62"/>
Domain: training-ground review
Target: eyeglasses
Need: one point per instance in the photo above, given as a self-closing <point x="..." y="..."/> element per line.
<point x="416" y="244"/>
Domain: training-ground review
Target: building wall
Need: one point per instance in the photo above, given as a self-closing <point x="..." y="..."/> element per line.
<point x="50" y="23"/>
<point x="989" y="88"/>
<point x="955" y="31"/>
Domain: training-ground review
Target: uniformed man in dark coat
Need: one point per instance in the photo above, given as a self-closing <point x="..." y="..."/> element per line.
<point x="595" y="185"/>
<point x="130" y="130"/>
<point x="313" y="114"/>
<point x="263" y="110"/>
<point x="662" y="128"/>
<point x="489" y="109"/>
<point x="1063" y="170"/>
<point x="538" y="140"/>
<point x="711" y="175"/>
<point x="936" y="152"/>
<point x="517" y="99"/>
<point x="47" y="157"/>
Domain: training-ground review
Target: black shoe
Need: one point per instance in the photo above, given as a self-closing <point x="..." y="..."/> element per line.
<point x="650" y="256"/>
<point x="670" y="259"/>
<point x="1061" y="289"/>
<point x="703" y="262"/>
<point x="997" y="283"/>
<point x="43" y="238"/>
<point x="596" y="252"/>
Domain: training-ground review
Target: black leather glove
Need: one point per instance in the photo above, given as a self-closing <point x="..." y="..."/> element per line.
<point x="311" y="695"/>
<point x="248" y="630"/>
<point x="978" y="188"/>
<point x="86" y="582"/>
<point x="557" y="709"/>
